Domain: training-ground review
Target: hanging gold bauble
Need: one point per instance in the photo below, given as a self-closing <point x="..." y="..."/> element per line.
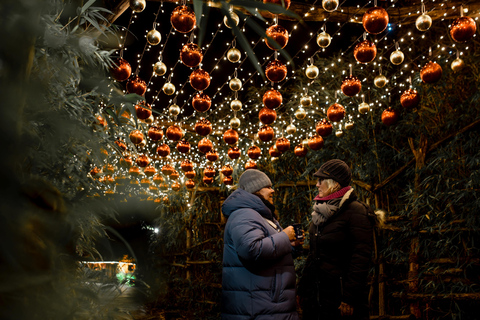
<point x="174" y="110"/>
<point x="300" y="113"/>
<point x="330" y="5"/>
<point x="149" y="120"/>
<point x="305" y="143"/>
<point x="234" y="17"/>
<point x="183" y="19"/>
<point x="463" y="29"/>
<point x="380" y="81"/>
<point x="235" y="84"/>
<point x="457" y="64"/>
<point x="306" y="101"/>
<point x="423" y="22"/>
<point x="154" y="37"/>
<point x="291" y="129"/>
<point x="236" y="105"/>
<point x="312" y="71"/>
<point x="363" y="107"/>
<point x="397" y="57"/>
<point x="375" y="20"/>
<point x="138" y="5"/>
<point x="234" y="55"/>
<point x="160" y="68"/>
<point x="324" y="39"/>
<point x="349" y="125"/>
<point x="169" y="88"/>
<point x="234" y="122"/>
<point x="339" y="133"/>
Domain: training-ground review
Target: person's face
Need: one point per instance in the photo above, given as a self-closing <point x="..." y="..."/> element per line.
<point x="322" y="188"/>
<point x="267" y="194"/>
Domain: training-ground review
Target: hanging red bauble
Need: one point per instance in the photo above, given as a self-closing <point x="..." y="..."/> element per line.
<point x="410" y="99"/>
<point x="274" y="152"/>
<point x="351" y="86"/>
<point x="316" y="142"/>
<point x="228" y="181"/>
<point x="167" y="169"/>
<point x="335" y="112"/>
<point x="282" y="144"/>
<point x="134" y="171"/>
<point x="431" y="72"/>
<point x="200" y="79"/>
<point x="250" y="165"/>
<point x="136" y="85"/>
<point x="234" y="153"/>
<point x="183" y="146"/>
<point x="126" y="161"/>
<point x="150" y="171"/>
<point x="300" y="151"/>
<point x="176" y="186"/>
<point x="155" y="133"/>
<point x="183" y="19"/>
<point x="95" y="171"/>
<point x="207" y="180"/>
<point x="365" y="51"/>
<point x="121" y="145"/>
<point x="375" y="20"/>
<point x="190" y="174"/>
<point x="267" y="115"/>
<point x="122" y="70"/>
<point x="136" y="136"/>
<point x="143" y="161"/>
<point x="212" y="155"/>
<point x="254" y="152"/>
<point x="143" y="110"/>
<point x="272" y="99"/>
<point x="174" y="133"/>
<point x="463" y="29"/>
<point x="157" y="179"/>
<point x="203" y="127"/>
<point x="266" y="133"/>
<point x="191" y="55"/>
<point x="389" y="116"/>
<point x="190" y="184"/>
<point x="201" y="102"/>
<point x="205" y="145"/>
<point x="279" y="2"/>
<point x="175" y="175"/>
<point x="279" y="34"/>
<point x="230" y="136"/>
<point x="275" y="71"/>
<point x="227" y="170"/>
<point x="324" y="128"/>
<point x="145" y="183"/>
<point x="163" y="150"/>
<point x="209" y="171"/>
<point x="186" y="165"/>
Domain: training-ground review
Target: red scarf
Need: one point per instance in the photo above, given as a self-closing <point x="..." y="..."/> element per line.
<point x="340" y="193"/>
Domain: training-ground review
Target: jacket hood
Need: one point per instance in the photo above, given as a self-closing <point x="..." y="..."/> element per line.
<point x="240" y="199"/>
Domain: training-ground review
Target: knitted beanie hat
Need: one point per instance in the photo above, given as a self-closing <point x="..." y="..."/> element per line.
<point x="337" y="170"/>
<point x="253" y="180"/>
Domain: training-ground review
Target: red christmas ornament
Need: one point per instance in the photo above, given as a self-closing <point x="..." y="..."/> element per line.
<point x="134" y="171"/>
<point x="190" y="174"/>
<point x="155" y="133"/>
<point x="176" y="186"/>
<point x="150" y="171"/>
<point x="234" y="153"/>
<point x="227" y="170"/>
<point x="250" y="165"/>
<point x="183" y="146"/>
<point x="410" y="99"/>
<point x="122" y="70"/>
<point x="163" y="150"/>
<point x="205" y="145"/>
<point x="335" y="112"/>
<point x="365" y="51"/>
<point x="136" y="85"/>
<point x="266" y="133"/>
<point x="272" y="99"/>
<point x="174" y="133"/>
<point x="157" y="179"/>
<point x="267" y="115"/>
<point x="230" y="136"/>
<point x="279" y="34"/>
<point x="351" y="86"/>
<point x="300" y="151"/>
<point x="375" y="20"/>
<point x="191" y="55"/>
<point x="143" y="110"/>
<point x="273" y="151"/>
<point x="95" y="171"/>
<point x="136" y="136"/>
<point x="201" y="102"/>
<point x="254" y="152"/>
<point x="279" y="2"/>
<point x="143" y="161"/>
<point x="199" y="79"/>
<point x="212" y="155"/>
<point x="186" y="165"/>
<point x="324" y="128"/>
<point x="183" y="19"/>
<point x="463" y="29"/>
<point x="316" y="142"/>
<point x="276" y="71"/>
<point x="431" y="72"/>
<point x="207" y="180"/>
<point x="126" y="161"/>
<point x="282" y="144"/>
<point x="190" y="184"/>
<point x="389" y="116"/>
<point x="203" y="127"/>
<point x="228" y="181"/>
<point x="121" y="145"/>
<point x="209" y="171"/>
<point x="175" y="175"/>
<point x="167" y="169"/>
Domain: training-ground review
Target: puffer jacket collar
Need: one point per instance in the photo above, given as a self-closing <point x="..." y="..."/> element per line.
<point x="240" y="199"/>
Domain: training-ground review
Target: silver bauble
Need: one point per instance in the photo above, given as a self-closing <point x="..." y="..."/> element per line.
<point x="291" y="129"/>
<point x="312" y="71"/>
<point x="324" y="39"/>
<point x="236" y="105"/>
<point x="235" y="123"/>
<point x="169" y="88"/>
<point x="380" y="81"/>
<point x="339" y="133"/>
<point x="235" y="84"/>
<point x="300" y="113"/>
<point x="149" y="120"/>
<point x="234" y="55"/>
<point x="349" y="125"/>
<point x="174" y="110"/>
<point x="397" y="57"/>
<point x="160" y="68"/>
<point x="306" y="101"/>
<point x="457" y="65"/>
<point x="138" y="5"/>
<point x="423" y="22"/>
<point x="330" y="5"/>
<point x="154" y="37"/>
<point x="234" y="17"/>
<point x="363" y="107"/>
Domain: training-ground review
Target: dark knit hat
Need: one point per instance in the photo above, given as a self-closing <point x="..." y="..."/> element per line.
<point x="337" y="170"/>
<point x="253" y="180"/>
